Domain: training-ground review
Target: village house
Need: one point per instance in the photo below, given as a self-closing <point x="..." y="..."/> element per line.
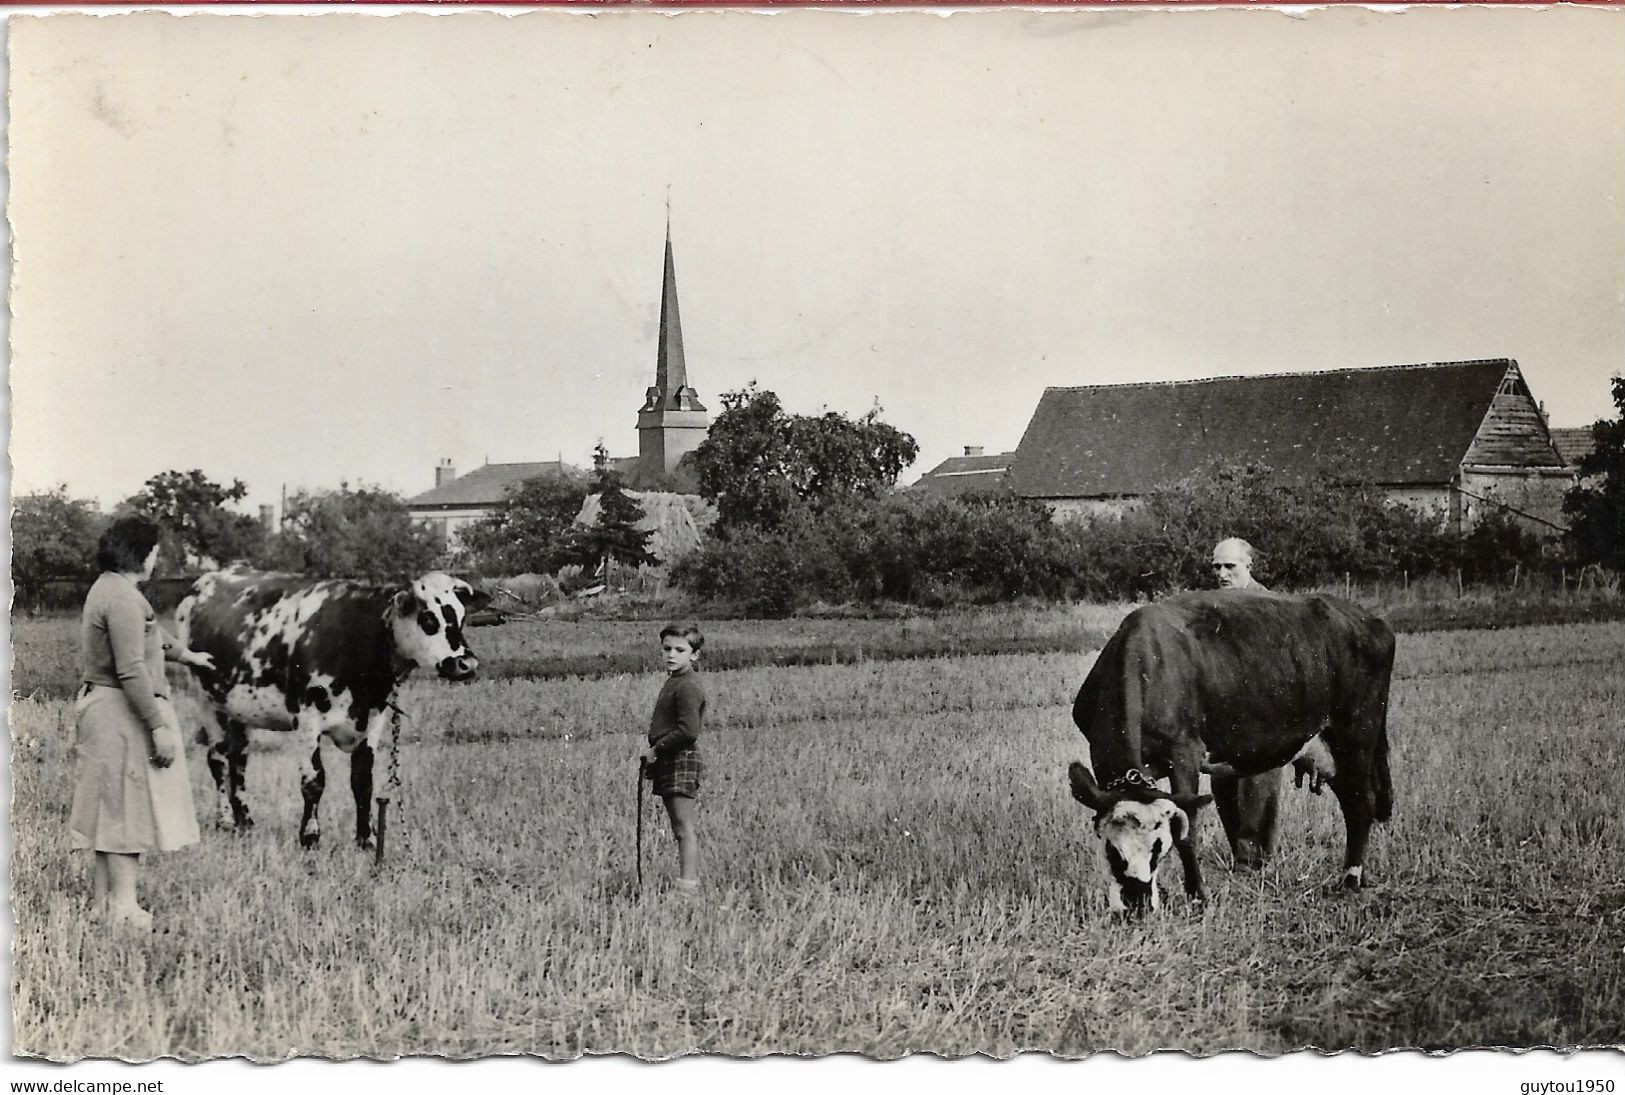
<point x="1459" y="439"/>
<point x="973" y="473"/>
<point x="671" y="424"/>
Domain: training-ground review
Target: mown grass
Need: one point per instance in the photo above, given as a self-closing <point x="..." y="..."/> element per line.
<point x="892" y="864"/>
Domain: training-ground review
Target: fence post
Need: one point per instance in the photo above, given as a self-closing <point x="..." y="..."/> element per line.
<point x="1458" y="582"/>
<point x="1516" y="567"/>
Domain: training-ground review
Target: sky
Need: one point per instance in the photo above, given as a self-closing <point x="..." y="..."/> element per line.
<point x="304" y="249"/>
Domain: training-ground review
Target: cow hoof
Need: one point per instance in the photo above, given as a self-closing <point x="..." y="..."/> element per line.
<point x="1353" y="879"/>
<point x="309" y="840"/>
<point x="365" y="843"/>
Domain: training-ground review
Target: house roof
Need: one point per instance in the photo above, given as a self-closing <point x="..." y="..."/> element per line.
<point x="1399" y="424"/>
<point x="486" y="485"/>
<point x="966" y="475"/>
<point x="1572" y="442"/>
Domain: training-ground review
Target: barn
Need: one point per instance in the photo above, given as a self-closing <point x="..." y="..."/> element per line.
<point x="1459" y="438"/>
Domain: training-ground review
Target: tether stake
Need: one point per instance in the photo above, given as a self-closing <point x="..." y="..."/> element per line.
<point x="641" y="765"/>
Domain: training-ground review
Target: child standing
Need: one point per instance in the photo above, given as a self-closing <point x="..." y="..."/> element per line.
<point x="672" y="761"/>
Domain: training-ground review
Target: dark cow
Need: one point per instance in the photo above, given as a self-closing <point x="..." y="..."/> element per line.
<point x="1230" y="682"/>
<point x="318" y="658"/>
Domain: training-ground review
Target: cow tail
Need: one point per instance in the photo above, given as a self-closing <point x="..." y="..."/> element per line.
<point x="1382" y="782"/>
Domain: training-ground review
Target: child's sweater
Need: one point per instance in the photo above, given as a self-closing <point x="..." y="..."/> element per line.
<point x="679" y="711"/>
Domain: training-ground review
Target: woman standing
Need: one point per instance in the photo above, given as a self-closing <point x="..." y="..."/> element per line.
<point x="131" y="796"/>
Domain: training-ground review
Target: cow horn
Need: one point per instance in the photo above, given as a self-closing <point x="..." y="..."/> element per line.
<point x="1190" y="803"/>
<point x="1087" y="791"/>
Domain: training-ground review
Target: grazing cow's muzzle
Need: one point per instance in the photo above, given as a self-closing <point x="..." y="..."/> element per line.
<point x="461" y="668"/>
<point x="1137" y="898"/>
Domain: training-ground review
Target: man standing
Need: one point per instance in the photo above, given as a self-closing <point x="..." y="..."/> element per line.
<point x="1249" y="806"/>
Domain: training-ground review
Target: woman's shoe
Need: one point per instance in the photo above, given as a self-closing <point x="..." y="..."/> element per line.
<point x="130" y="917"/>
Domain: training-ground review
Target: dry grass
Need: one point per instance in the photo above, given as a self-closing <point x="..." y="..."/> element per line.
<point x="892" y="864"/>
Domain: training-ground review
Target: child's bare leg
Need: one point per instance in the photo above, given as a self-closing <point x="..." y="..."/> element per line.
<point x="684" y="813"/>
<point x="98" y="882"/>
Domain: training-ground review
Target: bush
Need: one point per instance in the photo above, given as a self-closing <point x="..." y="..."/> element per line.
<point x="933" y="552"/>
<point x="767" y="574"/>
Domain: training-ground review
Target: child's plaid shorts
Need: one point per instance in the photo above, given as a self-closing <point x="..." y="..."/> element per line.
<point x="677" y="773"/>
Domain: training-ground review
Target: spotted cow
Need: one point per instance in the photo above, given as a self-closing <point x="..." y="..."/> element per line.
<point x="1230" y="682"/>
<point x="314" y="659"/>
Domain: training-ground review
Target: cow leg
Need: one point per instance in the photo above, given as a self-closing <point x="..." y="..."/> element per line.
<point x="361" y="789"/>
<point x="236" y="755"/>
<point x="312" y="779"/>
<point x="1249" y="809"/>
<point x="384" y="741"/>
<point x="1352" y="785"/>
<point x="219" y="769"/>
<point x="1184" y="780"/>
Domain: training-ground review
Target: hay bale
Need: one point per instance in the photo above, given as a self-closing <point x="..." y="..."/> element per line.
<point x="669" y="518"/>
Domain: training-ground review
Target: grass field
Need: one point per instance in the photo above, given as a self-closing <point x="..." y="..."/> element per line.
<point x="893" y="864"/>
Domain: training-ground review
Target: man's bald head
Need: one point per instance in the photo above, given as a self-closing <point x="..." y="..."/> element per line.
<point x="1233" y="564"/>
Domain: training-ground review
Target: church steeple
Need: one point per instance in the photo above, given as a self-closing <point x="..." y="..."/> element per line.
<point x="672" y="420"/>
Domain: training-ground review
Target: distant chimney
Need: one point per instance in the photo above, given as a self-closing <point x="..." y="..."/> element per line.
<point x="268" y="518"/>
<point x="973" y="450"/>
<point x="444" y="472"/>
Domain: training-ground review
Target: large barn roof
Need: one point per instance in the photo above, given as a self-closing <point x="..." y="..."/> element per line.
<point x="486" y="485"/>
<point x="1400" y="424"/>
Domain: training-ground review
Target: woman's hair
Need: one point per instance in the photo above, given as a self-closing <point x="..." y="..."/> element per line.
<point x="124" y="546"/>
<point x="689" y="633"/>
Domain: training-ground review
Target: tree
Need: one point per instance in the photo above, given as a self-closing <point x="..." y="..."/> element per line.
<point x="1596" y="507"/>
<point x="759" y="462"/>
<point x="529" y="529"/>
<point x="53" y="536"/>
<point x="191" y="510"/>
<point x="614" y="535"/>
<point x="365" y="532"/>
<point x="1307" y="528"/>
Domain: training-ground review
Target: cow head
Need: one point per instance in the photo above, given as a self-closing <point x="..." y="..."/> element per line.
<point x="1138" y="823"/>
<point x="426" y="622"/>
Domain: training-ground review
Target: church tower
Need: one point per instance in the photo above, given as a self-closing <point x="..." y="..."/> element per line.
<point x="672" y="421"/>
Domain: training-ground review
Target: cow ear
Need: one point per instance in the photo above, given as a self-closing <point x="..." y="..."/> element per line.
<point x="473" y="599"/>
<point x="406" y="603"/>
<point x="1178" y="822"/>
<point x="1086" y="791"/>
